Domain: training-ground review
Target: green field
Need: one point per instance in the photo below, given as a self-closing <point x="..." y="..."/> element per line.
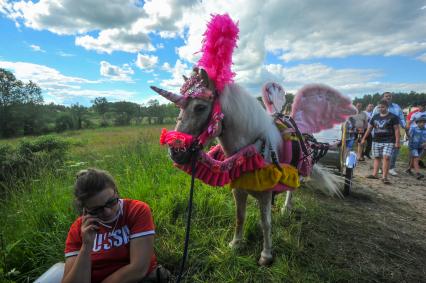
<point x="324" y="240"/>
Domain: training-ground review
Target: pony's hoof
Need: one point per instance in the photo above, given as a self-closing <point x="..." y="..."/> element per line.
<point x="265" y="261"/>
<point x="235" y="244"/>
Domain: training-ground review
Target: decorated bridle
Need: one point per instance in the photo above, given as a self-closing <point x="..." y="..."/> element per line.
<point x="194" y="87"/>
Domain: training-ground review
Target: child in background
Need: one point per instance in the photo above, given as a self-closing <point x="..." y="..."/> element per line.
<point x="417" y="144"/>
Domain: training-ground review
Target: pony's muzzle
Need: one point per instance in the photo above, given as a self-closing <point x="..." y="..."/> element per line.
<point x="182" y="157"/>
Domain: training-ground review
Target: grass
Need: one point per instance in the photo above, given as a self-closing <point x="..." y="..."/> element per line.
<point x="324" y="240"/>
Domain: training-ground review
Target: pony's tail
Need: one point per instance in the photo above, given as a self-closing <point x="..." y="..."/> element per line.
<point x="326" y="181"/>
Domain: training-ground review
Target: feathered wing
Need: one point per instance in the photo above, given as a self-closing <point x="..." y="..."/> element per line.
<point x="317" y="107"/>
<point x="273" y="97"/>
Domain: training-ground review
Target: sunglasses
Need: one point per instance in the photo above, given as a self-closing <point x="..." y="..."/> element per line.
<point x="97" y="210"/>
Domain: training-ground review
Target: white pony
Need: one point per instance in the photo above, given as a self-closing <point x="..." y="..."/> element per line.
<point x="212" y="106"/>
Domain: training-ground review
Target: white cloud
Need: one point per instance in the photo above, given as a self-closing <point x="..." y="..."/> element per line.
<point x="73" y="16"/>
<point x="295" y="30"/>
<point x="166" y="67"/>
<point x="146" y="62"/>
<point x="176" y="81"/>
<point x="36" y="48"/>
<point x="351" y="82"/>
<point x="422" y="57"/>
<point x="116" y="73"/>
<point x="111" y="40"/>
<point x="60" y="88"/>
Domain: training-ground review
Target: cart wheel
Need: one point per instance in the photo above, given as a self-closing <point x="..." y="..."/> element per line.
<point x="348" y="181"/>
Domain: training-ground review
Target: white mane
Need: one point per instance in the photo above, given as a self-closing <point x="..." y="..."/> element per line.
<point x="245" y="121"/>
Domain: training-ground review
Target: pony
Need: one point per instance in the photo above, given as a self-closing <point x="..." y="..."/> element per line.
<point x="212" y="106"/>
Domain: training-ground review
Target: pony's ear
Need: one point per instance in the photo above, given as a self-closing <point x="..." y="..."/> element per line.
<point x="206" y="80"/>
<point x="185" y="78"/>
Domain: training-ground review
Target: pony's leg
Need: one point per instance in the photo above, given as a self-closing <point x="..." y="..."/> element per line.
<point x="288" y="205"/>
<point x="265" y="215"/>
<point x="240" y="197"/>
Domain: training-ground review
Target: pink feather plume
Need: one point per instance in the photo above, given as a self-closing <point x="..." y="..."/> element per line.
<point x="219" y="41"/>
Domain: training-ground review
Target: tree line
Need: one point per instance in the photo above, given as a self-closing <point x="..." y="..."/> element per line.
<point x="22" y="111"/>
<point x="405" y="100"/>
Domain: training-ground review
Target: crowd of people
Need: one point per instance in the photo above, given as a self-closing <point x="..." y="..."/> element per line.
<point x="379" y="129"/>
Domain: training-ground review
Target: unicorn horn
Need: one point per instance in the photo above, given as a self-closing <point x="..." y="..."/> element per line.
<point x="179" y="100"/>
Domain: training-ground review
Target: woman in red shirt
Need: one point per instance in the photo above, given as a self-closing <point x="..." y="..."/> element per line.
<point x="113" y="241"/>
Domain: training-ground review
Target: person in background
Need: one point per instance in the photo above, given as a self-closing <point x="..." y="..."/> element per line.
<point x="396" y="110"/>
<point x="369" y="112"/>
<point x="415" y="115"/>
<point x="385" y="127"/>
<point x="417" y="145"/>
<point x="361" y="123"/>
<point x="350" y="134"/>
<point x="113" y="240"/>
<point x="421" y="112"/>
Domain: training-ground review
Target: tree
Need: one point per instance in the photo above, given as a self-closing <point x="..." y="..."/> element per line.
<point x="152" y="109"/>
<point x="19" y="105"/>
<point x="100" y="105"/>
<point x="78" y="111"/>
<point x="125" y="111"/>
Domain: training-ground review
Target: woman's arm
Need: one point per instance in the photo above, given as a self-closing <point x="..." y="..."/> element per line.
<point x="141" y="250"/>
<point x="78" y="268"/>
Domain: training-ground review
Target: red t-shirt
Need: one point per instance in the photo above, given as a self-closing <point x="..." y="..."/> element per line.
<point x="111" y="247"/>
<point x="411" y="114"/>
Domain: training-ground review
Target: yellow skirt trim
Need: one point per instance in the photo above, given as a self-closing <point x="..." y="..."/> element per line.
<point x="267" y="178"/>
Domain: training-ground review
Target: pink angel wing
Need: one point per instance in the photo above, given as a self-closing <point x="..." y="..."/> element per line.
<point x="317" y="107"/>
<point x="273" y="96"/>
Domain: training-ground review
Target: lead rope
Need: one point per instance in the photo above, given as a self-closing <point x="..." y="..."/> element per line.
<point x="188" y="219"/>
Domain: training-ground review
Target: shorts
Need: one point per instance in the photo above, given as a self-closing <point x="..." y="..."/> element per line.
<point x="381" y="149"/>
<point x="416" y="152"/>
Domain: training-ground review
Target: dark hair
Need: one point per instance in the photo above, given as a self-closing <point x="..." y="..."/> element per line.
<point x="90" y="182"/>
<point x="384" y="102"/>
<point x="383" y="95"/>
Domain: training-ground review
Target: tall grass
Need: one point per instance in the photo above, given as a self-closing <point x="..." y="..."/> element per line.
<point x="314" y="244"/>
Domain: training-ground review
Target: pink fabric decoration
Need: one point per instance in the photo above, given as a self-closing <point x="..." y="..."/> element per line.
<point x="212" y="129"/>
<point x="176" y="140"/>
<point x="318" y="107"/>
<point x="214" y="169"/>
<point x="219" y="41"/>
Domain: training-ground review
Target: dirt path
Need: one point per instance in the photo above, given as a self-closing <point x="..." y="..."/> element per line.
<point x="379" y="230"/>
<point x="404" y="188"/>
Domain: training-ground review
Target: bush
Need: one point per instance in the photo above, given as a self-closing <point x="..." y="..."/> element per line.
<point x="29" y="157"/>
<point x="63" y="123"/>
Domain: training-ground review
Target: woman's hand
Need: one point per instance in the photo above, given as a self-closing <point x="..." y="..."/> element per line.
<point x="397" y="145"/>
<point x="89" y="226"/>
<point x="363" y="141"/>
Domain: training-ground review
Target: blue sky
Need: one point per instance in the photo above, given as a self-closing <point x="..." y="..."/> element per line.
<point x="78" y="50"/>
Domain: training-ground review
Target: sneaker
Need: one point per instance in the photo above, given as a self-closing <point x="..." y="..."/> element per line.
<point x="419" y="176"/>
<point x="393" y="172"/>
<point x="408" y="171"/>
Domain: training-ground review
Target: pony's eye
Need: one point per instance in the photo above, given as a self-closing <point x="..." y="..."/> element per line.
<point x="200" y="108"/>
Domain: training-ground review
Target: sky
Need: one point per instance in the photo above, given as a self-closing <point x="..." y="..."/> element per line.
<point x="77" y="50"/>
